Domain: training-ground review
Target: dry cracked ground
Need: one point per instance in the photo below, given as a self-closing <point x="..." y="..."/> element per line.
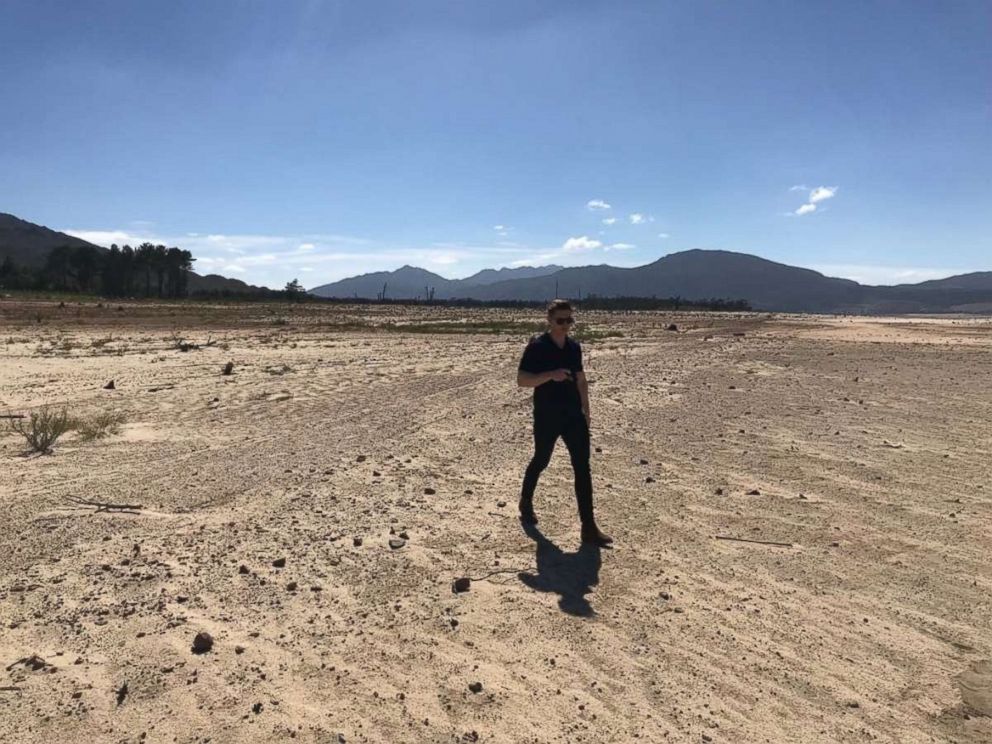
<point x="311" y="510"/>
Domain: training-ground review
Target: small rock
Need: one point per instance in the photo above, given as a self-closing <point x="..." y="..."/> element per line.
<point x="754" y="492"/>
<point x="279" y="562"/>
<point x="228" y="368"/>
<point x="671" y="327"/>
<point x="202" y="643"/>
<point x="396" y="543"/>
<point x="239" y="650"/>
<point x="109" y="385"/>
<point x="429" y="491"/>
<point x="357" y="542"/>
<point x="461" y="584"/>
<point x="719" y="492"/>
<point x="643" y="461"/>
<point x="291" y="586"/>
<point x="243" y="569"/>
<point x="256" y="708"/>
<point x="475" y="687"/>
<point x="649" y="479"/>
<point x="360" y="458"/>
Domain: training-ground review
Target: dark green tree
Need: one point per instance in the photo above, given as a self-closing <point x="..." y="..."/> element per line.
<point x="84" y="263"/>
<point x="57" y="271"/>
<point x="294" y="290"/>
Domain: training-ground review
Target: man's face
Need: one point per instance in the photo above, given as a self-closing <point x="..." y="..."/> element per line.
<point x="561" y="321"/>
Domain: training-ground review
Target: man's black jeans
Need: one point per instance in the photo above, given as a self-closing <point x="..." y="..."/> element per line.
<point x="572" y="427"/>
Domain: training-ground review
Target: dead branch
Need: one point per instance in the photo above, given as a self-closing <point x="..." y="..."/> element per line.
<point x="104" y="506"/>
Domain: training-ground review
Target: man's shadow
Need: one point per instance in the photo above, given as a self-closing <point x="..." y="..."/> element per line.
<point x="570" y="575"/>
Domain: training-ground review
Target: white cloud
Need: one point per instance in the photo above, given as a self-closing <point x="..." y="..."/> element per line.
<point x="105" y="237"/>
<point x="443" y="259"/>
<point x="610" y="221"/>
<point x="799" y="187"/>
<point x="817" y="195"/>
<point x="272" y="260"/>
<point x="636" y="218"/>
<point x="620" y="246"/>
<point x="581" y="243"/>
<point x="821" y="193"/>
<point x="594" y="204"/>
<point x="869" y="274"/>
<point x="664" y="235"/>
<point x="497" y="228"/>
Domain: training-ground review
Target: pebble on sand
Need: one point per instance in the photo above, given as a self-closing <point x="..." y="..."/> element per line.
<point x="202" y="642"/>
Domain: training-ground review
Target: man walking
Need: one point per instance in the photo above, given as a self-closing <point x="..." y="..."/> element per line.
<point x="552" y="365"/>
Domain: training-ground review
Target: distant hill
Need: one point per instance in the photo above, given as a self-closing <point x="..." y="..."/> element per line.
<point x="693" y="275"/>
<point x="409" y="282"/>
<point x="978" y="280"/>
<point x="28" y="244"/>
<point x="491" y="276"/>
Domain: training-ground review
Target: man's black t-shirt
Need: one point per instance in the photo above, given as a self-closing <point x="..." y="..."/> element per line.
<point x="544" y="355"/>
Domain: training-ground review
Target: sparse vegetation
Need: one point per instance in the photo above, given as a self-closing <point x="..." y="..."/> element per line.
<point x="585" y="333"/>
<point x="467" y="326"/>
<point x="99" y="425"/>
<point x="41" y="429"/>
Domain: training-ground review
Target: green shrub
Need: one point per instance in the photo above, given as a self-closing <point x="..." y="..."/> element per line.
<point x="98" y="426"/>
<point x="42" y="428"/>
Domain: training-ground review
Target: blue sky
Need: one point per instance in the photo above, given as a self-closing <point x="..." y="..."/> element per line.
<point x="322" y="139"/>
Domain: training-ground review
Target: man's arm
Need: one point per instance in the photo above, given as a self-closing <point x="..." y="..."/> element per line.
<point x="580" y="379"/>
<point x="531" y="379"/>
<point x="536" y="379"/>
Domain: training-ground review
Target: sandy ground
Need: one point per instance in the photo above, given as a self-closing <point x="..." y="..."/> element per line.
<point x="864" y="445"/>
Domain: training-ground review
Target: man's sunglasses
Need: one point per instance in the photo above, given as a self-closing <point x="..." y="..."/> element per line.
<point x="565" y="321"/>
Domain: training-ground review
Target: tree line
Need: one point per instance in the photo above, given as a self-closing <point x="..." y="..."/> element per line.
<point x="145" y="271"/>
<point x="589" y="302"/>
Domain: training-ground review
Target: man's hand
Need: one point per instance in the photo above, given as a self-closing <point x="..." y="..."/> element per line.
<point x="560" y="375"/>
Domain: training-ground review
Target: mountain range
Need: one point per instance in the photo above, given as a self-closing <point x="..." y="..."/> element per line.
<point x="28" y="244"/>
<point x="693" y="275"/>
